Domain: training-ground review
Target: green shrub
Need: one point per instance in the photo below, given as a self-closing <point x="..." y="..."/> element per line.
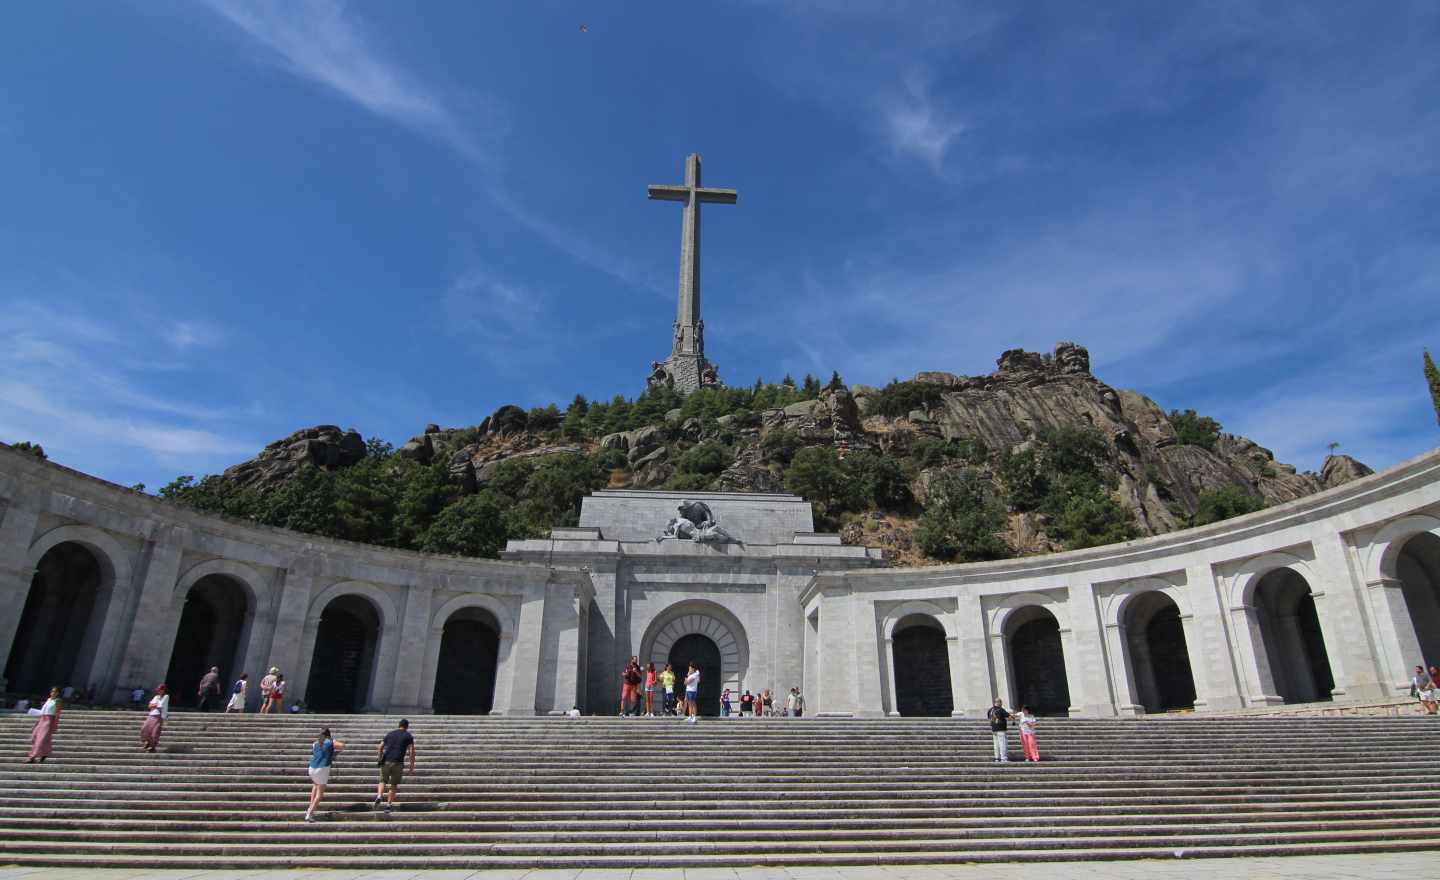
<point x="779" y="445"/>
<point x="1223" y="503"/>
<point x="689" y="482"/>
<point x="1192" y="429"/>
<point x="961" y="521"/>
<point x="706" y="458"/>
<point x="877" y="481"/>
<point x="472" y="526"/>
<point x="897" y="399"/>
<point x="1089" y="520"/>
<point x="816" y="475"/>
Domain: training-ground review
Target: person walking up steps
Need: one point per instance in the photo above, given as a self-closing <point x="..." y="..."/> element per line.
<point x="238" y="694"/>
<point x="999" y="719"/>
<point x="155" y="719"/>
<point x="1027" y="734"/>
<point x="394" y="748"/>
<point x="322" y="764"/>
<point x="209" y="690"/>
<point x="267" y="686"/>
<point x="692" y="693"/>
<point x="42" y="738"/>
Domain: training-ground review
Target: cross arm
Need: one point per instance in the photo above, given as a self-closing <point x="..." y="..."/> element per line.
<point x="722" y="196"/>
<point x="669" y="193"/>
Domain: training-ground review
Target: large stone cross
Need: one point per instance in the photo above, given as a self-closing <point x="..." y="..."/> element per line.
<point x="689" y="329"/>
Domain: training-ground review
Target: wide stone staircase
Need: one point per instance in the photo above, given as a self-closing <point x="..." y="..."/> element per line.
<point x="230" y="791"/>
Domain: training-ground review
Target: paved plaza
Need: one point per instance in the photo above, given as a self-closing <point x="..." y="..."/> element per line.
<point x="1334" y="867"/>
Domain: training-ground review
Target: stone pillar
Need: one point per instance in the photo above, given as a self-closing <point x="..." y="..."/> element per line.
<point x="17" y="531"/>
<point x="609" y="636"/>
<point x="1084" y="650"/>
<point x="970" y="678"/>
<point x="411" y="653"/>
<point x="1398" y="647"/>
<point x="890" y="698"/>
<point x="558" y="683"/>
<point x="1340" y="605"/>
<point x="154" y="617"/>
<point x="958" y="689"/>
<point x="1254" y="663"/>
<point x="1000" y="664"/>
<point x="836" y="655"/>
<point x="1122" y="673"/>
<point x="294" y="643"/>
<point x="1215" y="649"/>
<point x="1075" y="679"/>
<point x="526" y="651"/>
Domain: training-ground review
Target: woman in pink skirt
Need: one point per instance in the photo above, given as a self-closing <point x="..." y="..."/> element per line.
<point x="42" y="738"/>
<point x="155" y="720"/>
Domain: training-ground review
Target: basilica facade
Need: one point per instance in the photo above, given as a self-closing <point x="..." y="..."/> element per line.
<point x="1333" y="597"/>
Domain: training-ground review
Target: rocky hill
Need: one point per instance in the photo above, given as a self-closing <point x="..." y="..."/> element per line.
<point x="1024" y="445"/>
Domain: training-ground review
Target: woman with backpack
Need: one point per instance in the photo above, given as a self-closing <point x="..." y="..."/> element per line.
<point x="237" y="694"/>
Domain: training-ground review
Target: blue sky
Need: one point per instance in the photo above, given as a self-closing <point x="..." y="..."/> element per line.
<point x="224" y="221"/>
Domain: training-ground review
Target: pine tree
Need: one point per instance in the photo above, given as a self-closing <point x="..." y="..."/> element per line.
<point x="1432" y="377"/>
<point x="834" y="381"/>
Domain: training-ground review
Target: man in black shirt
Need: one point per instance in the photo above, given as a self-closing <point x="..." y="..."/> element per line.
<point x="999" y="719"/>
<point x="394" y="748"/>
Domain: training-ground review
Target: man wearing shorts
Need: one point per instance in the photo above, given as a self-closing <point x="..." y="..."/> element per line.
<point x="394" y="748"/>
<point x="630" y="686"/>
<point x="692" y="693"/>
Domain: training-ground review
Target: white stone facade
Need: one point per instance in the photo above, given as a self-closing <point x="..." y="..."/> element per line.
<point x="1333" y="596"/>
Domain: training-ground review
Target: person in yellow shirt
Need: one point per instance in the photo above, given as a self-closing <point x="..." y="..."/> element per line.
<point x="667" y="681"/>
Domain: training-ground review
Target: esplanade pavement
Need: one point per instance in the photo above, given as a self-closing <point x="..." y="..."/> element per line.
<point x="1333" y="597"/>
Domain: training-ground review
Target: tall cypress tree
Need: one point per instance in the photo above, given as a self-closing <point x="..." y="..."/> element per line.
<point x="1432" y="376"/>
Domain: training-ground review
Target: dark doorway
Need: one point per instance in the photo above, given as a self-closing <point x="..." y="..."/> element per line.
<point x="50" y="647"/>
<point x="704" y="653"/>
<point x="1159" y="660"/>
<point x="1038" y="662"/>
<point x="922" y="668"/>
<point x="465" y="673"/>
<point x="211" y="627"/>
<point x="344" y="660"/>
<point x="1418" y="568"/>
<point x="1294" y="645"/>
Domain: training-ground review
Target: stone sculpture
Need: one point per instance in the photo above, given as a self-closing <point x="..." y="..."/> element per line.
<point x="695" y="522"/>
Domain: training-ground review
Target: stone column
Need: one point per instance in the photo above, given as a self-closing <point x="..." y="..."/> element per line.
<point x="1398" y="647"/>
<point x="411" y="655"/>
<point x="835" y="654"/>
<point x="970" y="678"/>
<point x="890" y="700"/>
<point x="558" y="683"/>
<point x="526" y="651"/>
<point x="1075" y="678"/>
<point x="1122" y="673"/>
<point x="958" y="690"/>
<point x="17" y="531"/>
<point x="1340" y="605"/>
<point x="151" y="639"/>
<point x="293" y="645"/>
<point x="1084" y="652"/>
<point x="1253" y="662"/>
<point x="1000" y="663"/>
<point x="1214" y="649"/>
<point x="607" y="627"/>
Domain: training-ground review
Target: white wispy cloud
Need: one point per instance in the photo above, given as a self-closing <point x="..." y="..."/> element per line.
<point x="192" y="334"/>
<point x="318" y="41"/>
<point x="915" y="125"/>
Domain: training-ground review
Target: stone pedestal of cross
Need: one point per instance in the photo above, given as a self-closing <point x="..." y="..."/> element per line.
<point x="686" y="369"/>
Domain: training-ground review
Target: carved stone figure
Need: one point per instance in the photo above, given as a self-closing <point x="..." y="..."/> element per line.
<point x="695" y="522"/>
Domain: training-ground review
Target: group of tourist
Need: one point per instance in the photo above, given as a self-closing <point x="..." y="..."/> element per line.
<point x="762" y="705"/>
<point x="397" y="748"/>
<point x="632" y="678"/>
<point x="999" y="718"/>
<point x="1425" y="687"/>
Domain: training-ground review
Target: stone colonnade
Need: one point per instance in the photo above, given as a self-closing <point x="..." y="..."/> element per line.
<point x="1339" y="591"/>
<point x="152" y="556"/>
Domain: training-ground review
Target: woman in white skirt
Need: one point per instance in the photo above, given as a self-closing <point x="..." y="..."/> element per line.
<point x="1424" y="689"/>
<point x="238" y="693"/>
<point x="322" y="762"/>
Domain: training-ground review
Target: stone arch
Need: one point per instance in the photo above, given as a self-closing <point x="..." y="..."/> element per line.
<point x="64" y="630"/>
<point x="1156" y="651"/>
<point x="213" y="610"/>
<point x="500" y="702"/>
<point x="1384" y="553"/>
<point x="917" y="655"/>
<point x="1249" y="575"/>
<point x="1417" y="569"/>
<point x="1033" y="636"/>
<point x="497" y="609"/>
<point x="1282" y="601"/>
<point x="1002" y="611"/>
<point x="369" y="669"/>
<point x="249" y="580"/>
<point x="703" y="618"/>
<point x="467" y="661"/>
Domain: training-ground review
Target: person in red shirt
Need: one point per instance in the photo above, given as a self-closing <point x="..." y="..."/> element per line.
<point x="630" y="686"/>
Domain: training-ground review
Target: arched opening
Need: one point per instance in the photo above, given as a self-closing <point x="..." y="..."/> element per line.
<point x="1159" y="660"/>
<point x="54" y="642"/>
<point x="1290" y="628"/>
<point x="705" y="654"/>
<point x="213" y="624"/>
<point x="343" y="665"/>
<point x="465" y="672"/>
<point x="1418" y="568"/>
<point x="1037" y="662"/>
<point x="922" y="668"/>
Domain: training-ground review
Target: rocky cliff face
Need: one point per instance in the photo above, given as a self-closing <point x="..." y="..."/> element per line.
<point x="1158" y="478"/>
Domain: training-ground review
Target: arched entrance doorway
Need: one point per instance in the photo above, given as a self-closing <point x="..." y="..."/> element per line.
<point x="1037" y="662"/>
<point x="1299" y="665"/>
<point x="213" y="625"/>
<point x="54" y="645"/>
<point x="922" y="668"/>
<point x="465" y="672"/>
<point x="705" y="654"/>
<point x="1159" y="659"/>
<point x="343" y="665"/>
<point x="1418" y="569"/>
